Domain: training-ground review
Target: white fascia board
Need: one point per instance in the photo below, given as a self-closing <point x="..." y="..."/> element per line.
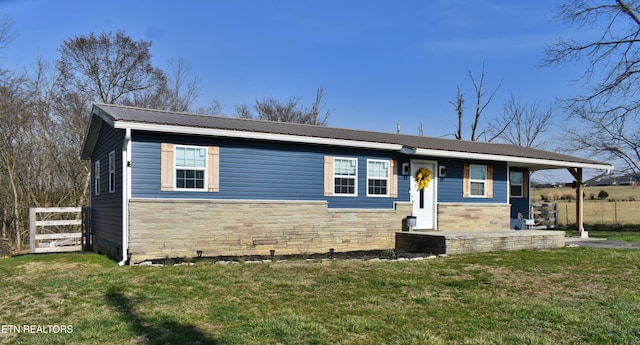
<point x="214" y="132"/>
<point x="511" y="159"/>
<point x="101" y="114"/>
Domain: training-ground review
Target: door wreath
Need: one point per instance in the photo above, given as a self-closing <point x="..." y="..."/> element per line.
<point x="423" y="178"/>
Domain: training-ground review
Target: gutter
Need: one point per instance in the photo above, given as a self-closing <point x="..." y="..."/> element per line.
<point x="126" y="194"/>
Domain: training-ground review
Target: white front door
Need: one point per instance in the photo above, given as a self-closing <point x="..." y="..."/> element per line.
<point x="424" y="201"/>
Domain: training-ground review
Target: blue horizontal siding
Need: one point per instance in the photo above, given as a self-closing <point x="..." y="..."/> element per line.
<point x="106" y="208"/>
<point x="267" y="173"/>
<point x="259" y="171"/>
<point x="450" y="188"/>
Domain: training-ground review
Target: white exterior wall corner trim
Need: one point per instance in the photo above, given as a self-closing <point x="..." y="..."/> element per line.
<point x="126" y="194"/>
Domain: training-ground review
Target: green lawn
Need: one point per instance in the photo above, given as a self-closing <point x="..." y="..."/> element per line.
<point x="564" y="296"/>
<point x="626" y="232"/>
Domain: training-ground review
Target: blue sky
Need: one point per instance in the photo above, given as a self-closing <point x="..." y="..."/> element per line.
<point x="380" y="62"/>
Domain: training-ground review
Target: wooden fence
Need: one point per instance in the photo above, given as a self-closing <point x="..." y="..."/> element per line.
<point x="56" y="229"/>
<point x="601" y="212"/>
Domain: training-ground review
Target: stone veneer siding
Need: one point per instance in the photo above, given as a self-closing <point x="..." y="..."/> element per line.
<point x="459" y="242"/>
<point x="178" y="228"/>
<point x="454" y="216"/>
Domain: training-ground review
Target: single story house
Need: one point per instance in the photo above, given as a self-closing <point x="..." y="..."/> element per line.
<point x="167" y="184"/>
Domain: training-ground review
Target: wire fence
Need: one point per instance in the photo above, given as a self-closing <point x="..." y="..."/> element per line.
<point x="601" y="212"/>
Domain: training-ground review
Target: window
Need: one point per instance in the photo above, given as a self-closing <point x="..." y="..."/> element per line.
<point x="112" y="171"/>
<point x="516" y="183"/>
<point x="191" y="166"/>
<point x="377" y="178"/>
<point x="96" y="177"/>
<point x="478" y="180"/>
<point x="341" y="177"/>
<point x="345" y="172"/>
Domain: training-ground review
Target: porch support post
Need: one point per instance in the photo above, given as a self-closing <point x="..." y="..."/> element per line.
<point x="577" y="174"/>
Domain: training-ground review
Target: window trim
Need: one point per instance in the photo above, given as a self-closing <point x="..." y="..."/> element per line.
<point x="484" y="182"/>
<point x="112" y="171"/>
<point x="205" y="169"/>
<point x="515" y="184"/>
<point x="354" y="177"/>
<point x="96" y="177"/>
<point x="387" y="179"/>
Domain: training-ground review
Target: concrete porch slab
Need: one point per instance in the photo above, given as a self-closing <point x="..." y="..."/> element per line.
<point x="477" y="241"/>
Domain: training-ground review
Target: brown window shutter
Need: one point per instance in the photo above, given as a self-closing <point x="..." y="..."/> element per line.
<point x="466" y="184"/>
<point x="328" y="175"/>
<point x="213" y="169"/>
<point x="166" y="167"/>
<point x="525" y="184"/>
<point x="489" y="184"/>
<point x="393" y="179"/>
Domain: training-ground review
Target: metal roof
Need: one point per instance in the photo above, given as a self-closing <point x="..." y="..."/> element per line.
<point x="175" y="122"/>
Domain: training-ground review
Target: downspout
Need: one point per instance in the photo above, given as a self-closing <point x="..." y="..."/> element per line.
<point x="126" y="194"/>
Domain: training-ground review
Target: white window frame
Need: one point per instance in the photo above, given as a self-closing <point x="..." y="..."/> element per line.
<point x="204" y="169"/>
<point x="515" y="184"/>
<point x="96" y="177"/>
<point x="112" y="171"/>
<point x="387" y="178"/>
<point x="484" y="182"/>
<point x="354" y="177"/>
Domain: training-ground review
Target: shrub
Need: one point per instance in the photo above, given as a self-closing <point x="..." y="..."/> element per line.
<point x="603" y="194"/>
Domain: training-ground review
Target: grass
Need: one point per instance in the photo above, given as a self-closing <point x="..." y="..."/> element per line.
<point x="564" y="296"/>
<point x="626" y="232"/>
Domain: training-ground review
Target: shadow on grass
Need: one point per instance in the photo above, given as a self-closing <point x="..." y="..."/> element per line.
<point x="162" y="332"/>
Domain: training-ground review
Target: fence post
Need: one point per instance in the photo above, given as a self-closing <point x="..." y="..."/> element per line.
<point x="32" y="230"/>
<point x="86" y="227"/>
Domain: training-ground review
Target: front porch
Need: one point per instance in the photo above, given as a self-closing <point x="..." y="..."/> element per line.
<point x="477" y="241"/>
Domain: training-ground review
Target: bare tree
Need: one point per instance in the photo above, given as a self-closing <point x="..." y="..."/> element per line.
<point x="6" y="36"/>
<point x="110" y="68"/>
<point x="607" y="113"/>
<point x="316" y="116"/>
<point x="39" y="140"/>
<point x="482" y="101"/>
<point x="177" y="92"/>
<point x="6" y="31"/>
<point x="459" y="105"/>
<point x="271" y="109"/>
<point x="520" y="123"/>
<point x="43" y="116"/>
<point x="14" y="117"/>
<point x="214" y="108"/>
